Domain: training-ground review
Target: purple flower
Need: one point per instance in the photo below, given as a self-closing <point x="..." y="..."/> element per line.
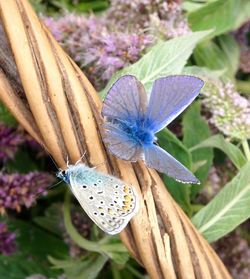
<point x="7" y="240"/>
<point x="96" y="46"/>
<point x="9" y="142"/>
<point x="230" y="111"/>
<point x="17" y="190"/>
<point x="162" y="18"/>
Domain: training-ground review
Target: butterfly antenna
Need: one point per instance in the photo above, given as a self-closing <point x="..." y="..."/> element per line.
<point x="48" y="153"/>
<point x="48" y="188"/>
<point x="103" y="163"/>
<point x="79" y="161"/>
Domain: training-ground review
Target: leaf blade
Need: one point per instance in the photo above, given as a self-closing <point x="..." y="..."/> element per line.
<point x="222" y="15"/>
<point x="228" y="209"/>
<point x="165" y="58"/>
<point x="232" y="151"/>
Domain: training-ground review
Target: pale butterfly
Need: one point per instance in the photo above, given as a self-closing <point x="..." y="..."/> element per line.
<point x="132" y="120"/>
<point x="107" y="200"/>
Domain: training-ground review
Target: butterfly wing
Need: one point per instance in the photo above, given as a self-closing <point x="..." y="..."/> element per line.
<point x="169" y="97"/>
<point x="157" y="158"/>
<point x="108" y="201"/>
<point x="126" y="100"/>
<point x="120" y="143"/>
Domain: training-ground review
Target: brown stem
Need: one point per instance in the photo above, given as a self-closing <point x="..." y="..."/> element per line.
<point x="50" y="96"/>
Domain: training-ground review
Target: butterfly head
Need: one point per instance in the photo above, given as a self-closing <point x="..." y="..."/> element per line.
<point x="62" y="174"/>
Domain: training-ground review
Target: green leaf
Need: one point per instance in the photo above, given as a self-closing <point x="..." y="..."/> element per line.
<point x="88" y="268"/>
<point x="219" y="57"/>
<point x="221" y="15"/>
<point x="195" y="130"/>
<point x="180" y="192"/>
<point x="228" y="209"/>
<point x="33" y="247"/>
<point x="52" y="221"/>
<point x="6" y="117"/>
<point x="165" y="58"/>
<point x="203" y="72"/>
<point x="18" y="165"/>
<point x="231" y="51"/>
<point x="232" y="151"/>
<point x="115" y="249"/>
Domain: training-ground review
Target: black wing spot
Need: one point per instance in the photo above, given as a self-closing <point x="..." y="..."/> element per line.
<point x="101" y="202"/>
<point x="84" y="186"/>
<point x="95" y="184"/>
<point x="116" y="186"/>
<point x="91" y="197"/>
<point x="102" y="214"/>
<point x="95" y="213"/>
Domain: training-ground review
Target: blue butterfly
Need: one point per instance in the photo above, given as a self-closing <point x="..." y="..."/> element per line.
<point x="132" y="121"/>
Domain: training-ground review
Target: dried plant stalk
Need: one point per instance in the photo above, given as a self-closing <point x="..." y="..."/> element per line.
<point x="61" y="110"/>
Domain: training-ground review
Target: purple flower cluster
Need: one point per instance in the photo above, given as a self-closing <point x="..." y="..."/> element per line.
<point x="242" y="36"/>
<point x="7" y="240"/>
<point x="17" y="190"/>
<point x="10" y="140"/>
<point x="235" y="253"/>
<point x="96" y="49"/>
<point x="230" y="111"/>
<point x="160" y="17"/>
<point x="103" y="45"/>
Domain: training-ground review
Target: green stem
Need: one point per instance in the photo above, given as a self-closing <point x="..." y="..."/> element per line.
<point x="115" y="272"/>
<point x="135" y="272"/>
<point x="73" y="233"/>
<point x="243" y="86"/>
<point x="246" y="149"/>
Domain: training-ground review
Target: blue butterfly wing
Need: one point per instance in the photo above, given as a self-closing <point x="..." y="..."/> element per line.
<point x="126" y="100"/>
<point x="120" y="143"/>
<point x="157" y="158"/>
<point x="169" y="97"/>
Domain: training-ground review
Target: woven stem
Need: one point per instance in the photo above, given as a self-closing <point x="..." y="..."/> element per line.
<point x="60" y="109"/>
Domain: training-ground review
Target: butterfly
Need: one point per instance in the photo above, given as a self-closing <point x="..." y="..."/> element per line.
<point x="132" y="121"/>
<point x="108" y="201"/>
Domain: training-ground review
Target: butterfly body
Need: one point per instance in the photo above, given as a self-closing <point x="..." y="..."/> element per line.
<point x="139" y="133"/>
<point x="108" y="201"/>
<point x="132" y="120"/>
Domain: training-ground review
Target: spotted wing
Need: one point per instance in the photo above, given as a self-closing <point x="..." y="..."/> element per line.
<point x="159" y="159"/>
<point x="108" y="201"/>
<point x="169" y="97"/>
